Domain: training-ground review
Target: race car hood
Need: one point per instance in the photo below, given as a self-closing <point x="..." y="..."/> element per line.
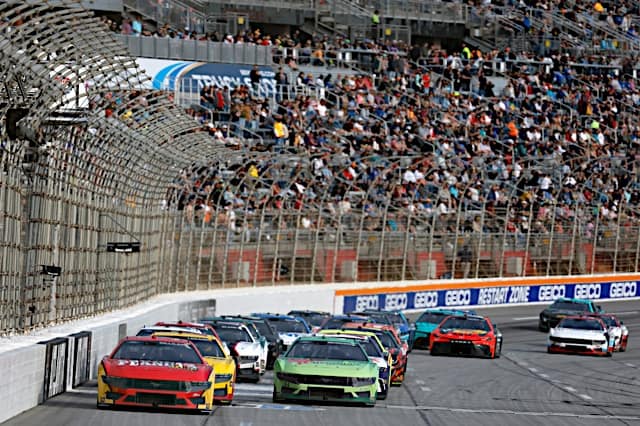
<point x="289" y="338"/>
<point x="221" y="365"/>
<point x="156" y="370"/>
<point x="328" y="367"/>
<point x="247" y="348"/>
<point x="380" y="362"/>
<point x="576" y="333"/>
<point x="468" y="334"/>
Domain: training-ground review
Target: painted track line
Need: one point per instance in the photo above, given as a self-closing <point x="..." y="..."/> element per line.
<point x="513" y="413"/>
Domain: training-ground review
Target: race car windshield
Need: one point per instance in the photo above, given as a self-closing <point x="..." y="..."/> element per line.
<point x="381" y="318"/>
<point x="569" y="306"/>
<point x="431" y="317"/>
<point x="230" y="334"/>
<point x="609" y="321"/>
<point x="289" y="326"/>
<point x="264" y="329"/>
<point x="314" y="320"/>
<point x="327" y="350"/>
<point x="396" y="319"/>
<point x="579" y="324"/>
<point x="387" y="340"/>
<point x="157" y="351"/>
<point x="465" y="324"/>
<point x="209" y="348"/>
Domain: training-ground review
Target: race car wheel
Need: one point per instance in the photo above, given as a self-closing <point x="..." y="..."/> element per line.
<point x="623" y="346"/>
<point x="434" y="350"/>
<point x="275" y="397"/>
<point x="548" y="350"/>
<point x="609" y="354"/>
<point x="543" y="327"/>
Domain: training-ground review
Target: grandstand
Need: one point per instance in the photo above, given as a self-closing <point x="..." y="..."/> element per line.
<point x="521" y="144"/>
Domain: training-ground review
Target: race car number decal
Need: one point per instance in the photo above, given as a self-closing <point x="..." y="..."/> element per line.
<point x="152" y="363"/>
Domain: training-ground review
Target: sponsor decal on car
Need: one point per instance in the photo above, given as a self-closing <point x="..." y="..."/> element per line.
<point x="152" y="363"/>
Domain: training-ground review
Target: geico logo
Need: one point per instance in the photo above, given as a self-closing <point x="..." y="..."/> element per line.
<point x="550" y="292"/>
<point x="624" y="289"/>
<point x="457" y="297"/>
<point x="366" y="302"/>
<point x="587" y="291"/>
<point x="395" y="301"/>
<point x="425" y="299"/>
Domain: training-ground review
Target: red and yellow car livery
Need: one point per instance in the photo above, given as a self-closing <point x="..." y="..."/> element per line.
<point x="155" y="372"/>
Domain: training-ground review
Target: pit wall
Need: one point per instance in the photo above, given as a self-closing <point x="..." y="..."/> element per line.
<point x="36" y="367"/>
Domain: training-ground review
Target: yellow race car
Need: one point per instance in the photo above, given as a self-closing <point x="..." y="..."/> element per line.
<point x="215" y="354"/>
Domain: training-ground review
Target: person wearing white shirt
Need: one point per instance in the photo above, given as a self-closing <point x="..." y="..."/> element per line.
<point x="545" y="182"/>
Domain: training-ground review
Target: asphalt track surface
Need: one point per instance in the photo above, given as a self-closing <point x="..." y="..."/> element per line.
<point x="526" y="386"/>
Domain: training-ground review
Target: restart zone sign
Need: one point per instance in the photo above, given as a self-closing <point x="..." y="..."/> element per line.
<point x="484" y="296"/>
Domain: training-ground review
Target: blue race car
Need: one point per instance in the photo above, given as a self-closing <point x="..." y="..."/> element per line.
<point x="289" y="328"/>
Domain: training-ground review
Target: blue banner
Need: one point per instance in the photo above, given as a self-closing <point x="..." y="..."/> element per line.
<point x="486" y="296"/>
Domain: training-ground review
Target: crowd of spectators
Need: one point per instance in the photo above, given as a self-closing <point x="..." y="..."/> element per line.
<point x="428" y="135"/>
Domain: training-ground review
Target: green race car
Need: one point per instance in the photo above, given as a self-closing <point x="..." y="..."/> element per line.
<point x="321" y="368"/>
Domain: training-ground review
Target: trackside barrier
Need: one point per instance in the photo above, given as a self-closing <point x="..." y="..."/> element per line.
<point x="489" y="293"/>
<point x="55" y="367"/>
<point x="80" y="358"/>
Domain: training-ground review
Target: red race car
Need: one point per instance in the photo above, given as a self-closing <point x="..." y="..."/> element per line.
<point x="389" y="338"/>
<point x="155" y="372"/>
<point x="466" y="335"/>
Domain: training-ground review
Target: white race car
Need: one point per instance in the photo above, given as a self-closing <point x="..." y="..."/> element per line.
<point x="618" y="332"/>
<point x="580" y="334"/>
<point x="245" y="349"/>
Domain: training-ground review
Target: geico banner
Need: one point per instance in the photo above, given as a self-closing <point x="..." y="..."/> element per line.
<point x="503" y="295"/>
<point x="167" y="75"/>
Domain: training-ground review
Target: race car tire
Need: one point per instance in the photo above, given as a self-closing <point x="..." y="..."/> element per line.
<point x="275" y="397"/>
<point x="542" y="327"/>
<point x="609" y="354"/>
<point x="548" y="350"/>
<point x="434" y="350"/>
<point x="623" y="347"/>
<point x="103" y="406"/>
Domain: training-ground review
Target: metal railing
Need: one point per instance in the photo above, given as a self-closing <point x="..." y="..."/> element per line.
<point x="196" y="50"/>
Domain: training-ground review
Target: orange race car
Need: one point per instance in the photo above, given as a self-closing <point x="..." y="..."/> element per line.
<point x="391" y="341"/>
<point x="466" y="335"/>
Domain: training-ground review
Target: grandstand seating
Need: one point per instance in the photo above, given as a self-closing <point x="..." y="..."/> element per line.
<point x="386" y="167"/>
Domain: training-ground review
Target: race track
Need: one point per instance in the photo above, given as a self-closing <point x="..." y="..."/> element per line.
<point x="525" y="386"/>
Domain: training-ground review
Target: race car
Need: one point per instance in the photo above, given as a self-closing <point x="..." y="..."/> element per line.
<point x="325" y="369"/>
<point x="618" y="332"/>
<point x="405" y="330"/>
<point x="580" y="334"/>
<point x="391" y="342"/>
<point x="375" y="351"/>
<point x="313" y="318"/>
<point x="564" y="307"/>
<point x="245" y="350"/>
<point x="289" y="328"/>
<point x="252" y="329"/>
<point x="156" y="372"/>
<point x="336" y="321"/>
<point x="429" y="320"/>
<point x="275" y="345"/>
<point x="214" y="354"/>
<point x="148" y="330"/>
<point x="466" y="335"/>
<point x="203" y="328"/>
